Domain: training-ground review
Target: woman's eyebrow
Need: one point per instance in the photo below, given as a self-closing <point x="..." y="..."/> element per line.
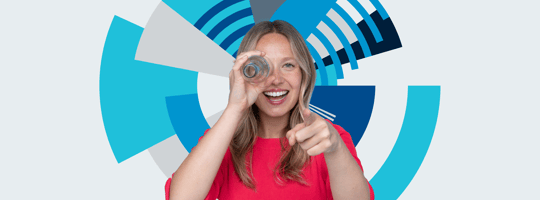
<point x="287" y="58"/>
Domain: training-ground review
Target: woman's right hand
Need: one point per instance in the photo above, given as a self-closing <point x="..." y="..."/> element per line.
<point x="243" y="94"/>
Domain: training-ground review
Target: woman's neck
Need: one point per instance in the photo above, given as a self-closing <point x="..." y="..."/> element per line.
<point x="273" y="127"/>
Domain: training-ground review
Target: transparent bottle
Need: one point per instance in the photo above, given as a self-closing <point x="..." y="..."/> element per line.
<point x="256" y="70"/>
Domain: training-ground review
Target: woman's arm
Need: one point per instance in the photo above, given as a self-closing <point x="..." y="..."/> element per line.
<point x="317" y="135"/>
<point x="195" y="175"/>
<point x="347" y="180"/>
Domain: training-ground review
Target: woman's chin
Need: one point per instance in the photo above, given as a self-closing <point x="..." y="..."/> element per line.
<point x="275" y="112"/>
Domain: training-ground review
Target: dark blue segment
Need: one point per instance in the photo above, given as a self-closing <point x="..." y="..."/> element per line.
<point x="389" y="34"/>
<point x="343" y="57"/>
<point x="358" y="50"/>
<point x="228" y="21"/>
<point x="352" y="106"/>
<point x="213" y="12"/>
<point x="234" y="54"/>
<point x="388" y="31"/>
<point x="235" y="35"/>
<point x="327" y="60"/>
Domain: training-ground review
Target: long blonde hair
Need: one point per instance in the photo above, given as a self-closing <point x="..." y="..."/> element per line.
<point x="294" y="158"/>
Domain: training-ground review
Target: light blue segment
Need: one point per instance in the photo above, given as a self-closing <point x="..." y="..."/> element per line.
<point x="304" y="15"/>
<point x="355" y="29"/>
<point x="380" y="9"/>
<point x="412" y="143"/>
<point x="320" y="63"/>
<point x="318" y="79"/>
<point x="191" y="10"/>
<point x="234" y="46"/>
<point x="224" y="14"/>
<point x="331" y="71"/>
<point x="343" y="40"/>
<point x="332" y="51"/>
<point x="367" y="18"/>
<point x="232" y="28"/>
<point x="132" y="93"/>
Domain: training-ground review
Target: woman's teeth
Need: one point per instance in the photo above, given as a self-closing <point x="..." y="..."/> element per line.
<point x="275" y="94"/>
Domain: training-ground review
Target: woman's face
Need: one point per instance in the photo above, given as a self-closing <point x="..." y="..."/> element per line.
<point x="282" y="95"/>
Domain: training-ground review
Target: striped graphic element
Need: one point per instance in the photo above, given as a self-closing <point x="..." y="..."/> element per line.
<point x="321" y="112"/>
<point x="159" y="90"/>
<point x="412" y="143"/>
<point x="341" y="32"/>
<point x="224" y="22"/>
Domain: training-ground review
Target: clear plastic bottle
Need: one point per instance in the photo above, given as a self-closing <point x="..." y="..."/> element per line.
<point x="256" y="70"/>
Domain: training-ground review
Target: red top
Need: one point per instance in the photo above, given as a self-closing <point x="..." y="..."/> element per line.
<point x="227" y="184"/>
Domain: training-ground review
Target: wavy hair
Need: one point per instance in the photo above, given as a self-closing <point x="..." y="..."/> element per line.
<point x="294" y="158"/>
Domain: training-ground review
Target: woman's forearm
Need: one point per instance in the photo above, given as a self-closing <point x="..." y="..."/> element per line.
<point x="196" y="174"/>
<point x="347" y="180"/>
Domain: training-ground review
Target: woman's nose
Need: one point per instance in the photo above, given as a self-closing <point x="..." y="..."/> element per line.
<point x="278" y="77"/>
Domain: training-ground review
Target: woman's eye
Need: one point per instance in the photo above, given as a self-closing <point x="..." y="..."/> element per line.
<point x="289" y="65"/>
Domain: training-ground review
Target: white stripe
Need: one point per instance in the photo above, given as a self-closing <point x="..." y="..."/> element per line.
<point x="322" y="114"/>
<point x="334" y="116"/>
<point x="340" y="22"/>
<point x="350" y="10"/>
<point x="334" y="40"/>
<point x="317" y="44"/>
<point x="367" y="5"/>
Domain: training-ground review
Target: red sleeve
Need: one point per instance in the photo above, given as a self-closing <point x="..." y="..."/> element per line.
<point x="214" y="189"/>
<point x="347" y="139"/>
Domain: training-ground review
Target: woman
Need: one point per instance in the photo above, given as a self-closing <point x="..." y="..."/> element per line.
<point x="261" y="148"/>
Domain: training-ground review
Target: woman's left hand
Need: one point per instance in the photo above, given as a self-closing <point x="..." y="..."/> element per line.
<point x="315" y="135"/>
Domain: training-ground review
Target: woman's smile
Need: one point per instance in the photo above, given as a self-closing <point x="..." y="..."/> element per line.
<point x="276" y="96"/>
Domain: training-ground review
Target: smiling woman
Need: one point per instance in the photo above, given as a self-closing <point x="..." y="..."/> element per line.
<point x="267" y="144"/>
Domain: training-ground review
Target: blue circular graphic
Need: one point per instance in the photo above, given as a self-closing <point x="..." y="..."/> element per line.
<point x="150" y="91"/>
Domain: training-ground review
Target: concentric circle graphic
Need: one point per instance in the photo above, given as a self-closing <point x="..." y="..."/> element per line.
<point x="163" y="85"/>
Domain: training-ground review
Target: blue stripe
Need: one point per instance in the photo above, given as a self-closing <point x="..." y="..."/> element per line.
<point x="191" y="10"/>
<point x="318" y="79"/>
<point x="187" y="118"/>
<point x="235" y="54"/>
<point x="319" y="62"/>
<point x="228" y="21"/>
<point x="233" y="28"/>
<point x="331" y="50"/>
<point x="343" y="40"/>
<point x="234" y="46"/>
<point x="234" y="36"/>
<point x="380" y="8"/>
<point x="355" y="29"/>
<point x="331" y="71"/>
<point x="224" y="14"/>
<point x="213" y="11"/>
<point x="367" y="19"/>
<point x="412" y="143"/>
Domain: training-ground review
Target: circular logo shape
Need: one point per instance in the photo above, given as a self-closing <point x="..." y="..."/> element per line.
<point x="160" y="91"/>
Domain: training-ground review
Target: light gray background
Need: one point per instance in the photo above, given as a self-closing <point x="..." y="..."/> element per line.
<point x="482" y="53"/>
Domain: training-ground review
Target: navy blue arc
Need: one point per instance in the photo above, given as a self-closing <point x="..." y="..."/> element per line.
<point x="213" y="12"/>
<point x="388" y="32"/>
